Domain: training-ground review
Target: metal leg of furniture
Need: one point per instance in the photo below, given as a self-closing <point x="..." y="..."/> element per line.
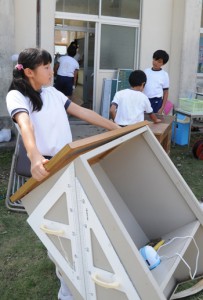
<point x="189" y="133"/>
<point x="175" y="124"/>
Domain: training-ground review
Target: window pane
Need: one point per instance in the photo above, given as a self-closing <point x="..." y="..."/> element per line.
<point x="62" y="50"/>
<point x="121" y="8"/>
<point x="78" y="6"/>
<point x="78" y="23"/>
<point x="200" y="62"/>
<point x="64" y="38"/>
<point x="202" y="18"/>
<point x="117" y="47"/>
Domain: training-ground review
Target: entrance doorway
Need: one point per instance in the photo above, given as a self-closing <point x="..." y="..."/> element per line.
<point x="84" y="33"/>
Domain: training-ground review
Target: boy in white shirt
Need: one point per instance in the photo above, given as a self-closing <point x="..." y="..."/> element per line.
<point x="129" y="105"/>
<point x="157" y="86"/>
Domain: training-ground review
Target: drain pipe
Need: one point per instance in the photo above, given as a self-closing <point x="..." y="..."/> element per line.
<point x="38" y="23"/>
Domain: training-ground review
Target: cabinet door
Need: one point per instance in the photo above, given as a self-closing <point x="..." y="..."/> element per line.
<point x="55" y="221"/>
<point x="105" y="276"/>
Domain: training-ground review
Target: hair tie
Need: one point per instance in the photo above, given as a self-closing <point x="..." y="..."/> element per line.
<point x="19" y="67"/>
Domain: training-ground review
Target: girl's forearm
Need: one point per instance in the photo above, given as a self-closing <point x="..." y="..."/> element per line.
<point x="27" y="134"/>
<point x="91" y="117"/>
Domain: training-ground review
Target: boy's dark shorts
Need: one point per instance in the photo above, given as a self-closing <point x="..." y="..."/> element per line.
<point x="64" y="84"/>
<point x="156" y="103"/>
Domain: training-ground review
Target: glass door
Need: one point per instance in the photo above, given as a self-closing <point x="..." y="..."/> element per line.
<point x="83" y="33"/>
<point x="88" y="69"/>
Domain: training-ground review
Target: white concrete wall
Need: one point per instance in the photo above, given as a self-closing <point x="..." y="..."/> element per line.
<point x="176" y="48"/>
<point x="184" y="48"/>
<point x="47" y="25"/>
<point x="173" y="25"/>
<point x="155" y="29"/>
<point x="6" y="50"/>
<point x="25" y="24"/>
<point x="190" y="47"/>
<point x="17" y="31"/>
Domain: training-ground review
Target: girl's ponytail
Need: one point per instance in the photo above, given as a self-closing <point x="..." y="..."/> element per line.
<point x="29" y="58"/>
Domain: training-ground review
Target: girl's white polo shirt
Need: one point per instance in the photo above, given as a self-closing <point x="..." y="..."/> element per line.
<point x="51" y="125"/>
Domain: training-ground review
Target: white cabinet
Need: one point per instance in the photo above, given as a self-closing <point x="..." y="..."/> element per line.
<point x="98" y="211"/>
<point x="55" y="221"/>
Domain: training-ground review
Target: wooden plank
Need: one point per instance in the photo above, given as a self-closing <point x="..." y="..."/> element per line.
<point x="163" y="134"/>
<point x="163" y="130"/>
<point x="159" y="128"/>
<point x="69" y="152"/>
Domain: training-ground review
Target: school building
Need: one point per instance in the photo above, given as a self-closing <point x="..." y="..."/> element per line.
<point x="111" y="34"/>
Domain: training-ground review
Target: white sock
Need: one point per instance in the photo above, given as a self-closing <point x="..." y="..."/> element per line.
<point x="64" y="292"/>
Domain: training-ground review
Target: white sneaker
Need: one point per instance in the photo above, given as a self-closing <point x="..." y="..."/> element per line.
<point x="5" y="135"/>
<point x="64" y="292"/>
<point x="64" y="296"/>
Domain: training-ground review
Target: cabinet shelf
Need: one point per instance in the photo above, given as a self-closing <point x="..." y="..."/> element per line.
<point x="167" y="267"/>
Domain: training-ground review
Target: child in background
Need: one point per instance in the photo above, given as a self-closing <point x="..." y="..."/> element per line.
<point x="157" y="86"/>
<point x="67" y="72"/>
<point x="128" y="106"/>
<point x="40" y="114"/>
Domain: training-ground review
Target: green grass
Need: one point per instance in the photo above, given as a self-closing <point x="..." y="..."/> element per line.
<point x="26" y="272"/>
<point x="5" y="162"/>
<point x="190" y="168"/>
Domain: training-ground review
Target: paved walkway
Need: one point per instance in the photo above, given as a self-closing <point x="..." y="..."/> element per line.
<point x="79" y="131"/>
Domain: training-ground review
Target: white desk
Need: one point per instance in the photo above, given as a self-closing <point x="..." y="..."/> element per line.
<point x="191" y="115"/>
<point x="163" y="130"/>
